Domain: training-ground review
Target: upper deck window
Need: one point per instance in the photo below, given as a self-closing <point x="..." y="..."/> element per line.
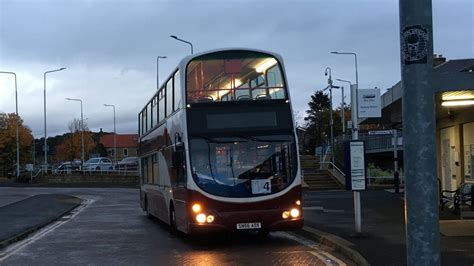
<point x="234" y="76"/>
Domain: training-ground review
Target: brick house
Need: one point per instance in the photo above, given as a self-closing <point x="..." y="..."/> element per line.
<point x="127" y="145"/>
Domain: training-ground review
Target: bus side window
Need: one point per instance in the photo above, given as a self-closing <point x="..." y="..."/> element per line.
<point x="179" y="170"/>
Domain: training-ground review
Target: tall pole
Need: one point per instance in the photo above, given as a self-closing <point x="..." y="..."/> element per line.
<point x="419" y="129"/>
<point x="342" y="114"/>
<point x="157" y="72"/>
<point x="355" y="136"/>
<point x="115" y="134"/>
<point x="82" y="127"/>
<point x="17" y="120"/>
<point x="328" y="70"/>
<point x="343" y="104"/>
<point x="181" y="40"/>
<point x="44" y="107"/>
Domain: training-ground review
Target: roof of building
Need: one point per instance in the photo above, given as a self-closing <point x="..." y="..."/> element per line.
<point x="456" y="65"/>
<point x="123" y="140"/>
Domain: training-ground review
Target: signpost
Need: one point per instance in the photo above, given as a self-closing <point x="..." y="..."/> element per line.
<point x="368" y="102"/>
<point x="354" y="156"/>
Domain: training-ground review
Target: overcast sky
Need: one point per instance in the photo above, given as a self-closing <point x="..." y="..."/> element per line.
<point x="110" y="48"/>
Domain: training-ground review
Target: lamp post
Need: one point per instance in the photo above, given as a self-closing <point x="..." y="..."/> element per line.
<point x="157" y="73"/>
<point x="82" y="126"/>
<point x="331" y="122"/>
<point x="355" y="136"/>
<point x="115" y="134"/>
<point x="181" y="40"/>
<point x="343" y="105"/>
<point x="45" y="132"/>
<point x="17" y="125"/>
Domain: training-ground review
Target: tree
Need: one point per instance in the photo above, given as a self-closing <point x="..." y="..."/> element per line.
<point x="8" y="143"/>
<point x="70" y="147"/>
<point x="318" y="121"/>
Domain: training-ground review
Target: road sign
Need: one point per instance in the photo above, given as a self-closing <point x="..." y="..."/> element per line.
<point x="354" y="156"/>
<point x="368" y="103"/>
<point x="381" y="132"/>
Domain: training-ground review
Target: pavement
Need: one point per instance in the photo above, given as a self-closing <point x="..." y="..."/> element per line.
<point x="329" y="217"/>
<point x="21" y="218"/>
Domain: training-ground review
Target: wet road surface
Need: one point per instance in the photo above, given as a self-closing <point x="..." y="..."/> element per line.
<point x="110" y="229"/>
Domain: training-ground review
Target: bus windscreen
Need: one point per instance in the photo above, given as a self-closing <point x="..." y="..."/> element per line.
<point x="234" y="76"/>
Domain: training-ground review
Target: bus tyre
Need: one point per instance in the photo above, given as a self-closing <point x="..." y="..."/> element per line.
<point x="173" y="219"/>
<point x="146" y="208"/>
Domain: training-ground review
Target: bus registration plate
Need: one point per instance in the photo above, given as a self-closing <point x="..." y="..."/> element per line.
<point x="242" y="226"/>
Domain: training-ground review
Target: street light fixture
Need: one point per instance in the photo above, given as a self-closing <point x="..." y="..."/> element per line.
<point x="45" y="132"/>
<point x="343" y="105"/>
<point x="157" y="73"/>
<point x="355" y="136"/>
<point x="331" y="122"/>
<point x="115" y="134"/>
<point x="17" y="125"/>
<point x="82" y="126"/>
<point x="181" y="40"/>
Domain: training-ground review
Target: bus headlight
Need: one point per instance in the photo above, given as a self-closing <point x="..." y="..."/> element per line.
<point x="201" y="218"/>
<point x="294" y="213"/>
<point x="285" y="214"/>
<point x="210" y="219"/>
<point x="196" y="207"/>
<point x="298" y="202"/>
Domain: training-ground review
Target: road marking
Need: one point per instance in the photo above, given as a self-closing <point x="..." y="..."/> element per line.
<point x="316" y="251"/>
<point x="317" y="208"/>
<point x="17" y="246"/>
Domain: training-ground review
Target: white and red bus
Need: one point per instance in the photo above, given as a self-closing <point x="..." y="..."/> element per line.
<point x="218" y="148"/>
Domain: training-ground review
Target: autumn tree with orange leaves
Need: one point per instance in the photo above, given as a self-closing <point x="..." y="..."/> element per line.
<point x="8" y="143"/>
<point x="71" y="147"/>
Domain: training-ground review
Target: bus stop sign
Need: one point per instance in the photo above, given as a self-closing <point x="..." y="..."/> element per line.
<point x="354" y="157"/>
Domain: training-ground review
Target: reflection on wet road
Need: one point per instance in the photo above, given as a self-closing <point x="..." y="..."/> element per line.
<point x="111" y="229"/>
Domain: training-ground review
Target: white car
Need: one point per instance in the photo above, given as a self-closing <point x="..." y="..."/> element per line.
<point x="97" y="164"/>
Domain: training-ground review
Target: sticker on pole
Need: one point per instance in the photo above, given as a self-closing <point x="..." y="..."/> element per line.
<point x="414" y="45"/>
<point x="261" y="186"/>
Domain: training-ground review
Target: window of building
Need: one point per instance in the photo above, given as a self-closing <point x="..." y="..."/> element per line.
<point x="468" y="146"/>
<point x="177" y="91"/>
<point x="125" y="152"/>
<point x="169" y="97"/>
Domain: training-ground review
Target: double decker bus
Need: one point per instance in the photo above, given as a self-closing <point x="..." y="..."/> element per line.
<point x="218" y="148"/>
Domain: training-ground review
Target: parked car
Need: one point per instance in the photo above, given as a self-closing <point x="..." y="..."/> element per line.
<point x="63" y="168"/>
<point x="128" y="164"/>
<point x="97" y="164"/>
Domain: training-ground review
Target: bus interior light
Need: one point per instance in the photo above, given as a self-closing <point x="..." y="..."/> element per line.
<point x="295" y="213"/>
<point x="265" y="65"/>
<point x="285" y="214"/>
<point x="201" y="218"/>
<point x="196" y="207"/>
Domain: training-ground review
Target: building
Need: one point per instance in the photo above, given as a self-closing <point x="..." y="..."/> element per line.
<point x="453" y="89"/>
<point x="127" y="145"/>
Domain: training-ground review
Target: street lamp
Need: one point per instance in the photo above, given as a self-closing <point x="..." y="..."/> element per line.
<point x="45" y="132"/>
<point x="343" y="105"/>
<point x="181" y="40"/>
<point x="17" y="125"/>
<point x="157" y="73"/>
<point x="355" y="125"/>
<point x="82" y="126"/>
<point x="355" y="136"/>
<point x="115" y="134"/>
<point x="330" y="87"/>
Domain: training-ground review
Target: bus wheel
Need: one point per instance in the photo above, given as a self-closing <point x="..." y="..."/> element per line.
<point x="146" y="207"/>
<point x="173" y="226"/>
